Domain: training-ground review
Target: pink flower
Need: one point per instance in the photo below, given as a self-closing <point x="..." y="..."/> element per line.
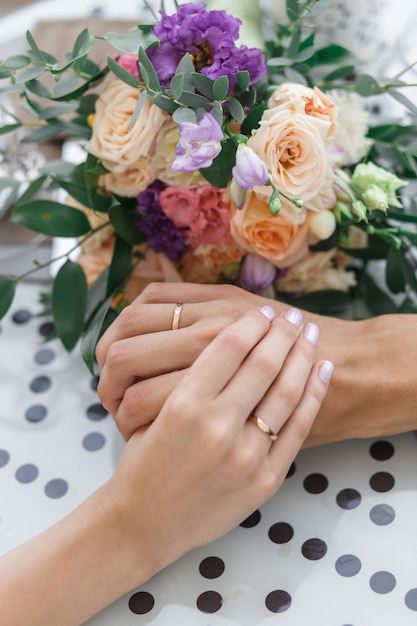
<point x="204" y="213"/>
<point x="129" y="62"/>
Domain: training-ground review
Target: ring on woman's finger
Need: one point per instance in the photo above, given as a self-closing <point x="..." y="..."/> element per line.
<point x="176" y="317"/>
<point x="263" y="427"/>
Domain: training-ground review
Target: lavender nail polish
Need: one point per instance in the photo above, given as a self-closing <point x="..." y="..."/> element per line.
<point x="294" y="316"/>
<point x="311" y="333"/>
<point x="268" y="311"/>
<point x="325" y="371"/>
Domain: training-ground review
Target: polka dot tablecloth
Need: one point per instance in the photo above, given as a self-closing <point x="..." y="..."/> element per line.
<point x="337" y="546"/>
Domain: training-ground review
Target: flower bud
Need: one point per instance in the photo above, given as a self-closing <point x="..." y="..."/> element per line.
<point x="359" y="209"/>
<point x="322" y="224"/>
<point x="238" y="195"/>
<point x="375" y="198"/>
<point x="249" y="170"/>
<point x="257" y="273"/>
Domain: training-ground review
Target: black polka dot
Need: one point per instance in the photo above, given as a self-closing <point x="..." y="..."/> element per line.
<point x="381" y="450"/>
<point x="94" y="383"/>
<point x="46" y="329"/>
<point x="382" y="514"/>
<point x="252" y="520"/>
<point x="291" y="471"/>
<point x="27" y="473"/>
<point x="314" y="549"/>
<point x="44" y="356"/>
<point x="211" y="567"/>
<point x="4" y="458"/>
<point x="411" y="599"/>
<point x="56" y="488"/>
<point x="281" y="532"/>
<point x="348" y="565"/>
<point x="348" y="499"/>
<point x="22" y="316"/>
<point x="40" y="384"/>
<point x="382" y="482"/>
<point x="209" y="602"/>
<point x="278" y="601"/>
<point x="94" y="441"/>
<point x="141" y="602"/>
<point x="382" y="582"/>
<point x="315" y="483"/>
<point x="96" y="412"/>
<point x="36" y="413"/>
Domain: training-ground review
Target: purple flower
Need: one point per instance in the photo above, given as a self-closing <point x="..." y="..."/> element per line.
<point x="209" y="37"/>
<point x="198" y="144"/>
<point x="256" y="273"/>
<point x="160" y="231"/>
<point x="249" y="170"/>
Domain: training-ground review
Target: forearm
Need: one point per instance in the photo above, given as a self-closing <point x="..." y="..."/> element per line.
<point x="69" y="572"/>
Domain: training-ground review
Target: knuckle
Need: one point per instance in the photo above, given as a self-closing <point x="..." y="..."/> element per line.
<point x="264" y="363"/>
<point x="150" y="293"/>
<point x="291" y="394"/>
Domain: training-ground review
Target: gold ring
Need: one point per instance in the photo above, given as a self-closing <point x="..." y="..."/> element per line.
<point x="176" y="317"/>
<point x="263" y="427"/>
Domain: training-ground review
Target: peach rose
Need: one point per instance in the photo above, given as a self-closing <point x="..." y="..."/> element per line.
<point x="317" y="270"/>
<point x="292" y="145"/>
<point x="316" y="103"/>
<point x="113" y="142"/>
<point x="130" y="182"/>
<point x="282" y="238"/>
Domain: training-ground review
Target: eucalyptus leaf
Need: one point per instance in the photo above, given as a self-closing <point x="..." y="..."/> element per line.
<point x="66" y="86"/>
<point x="42" y="134"/>
<point x="176" y="86"/>
<point x="221" y="88"/>
<point x="366" y="85"/>
<point x="318" y="7"/>
<point x="164" y="102"/>
<point x="294" y="77"/>
<point x="186" y="67"/>
<point x="38" y="88"/>
<point x="243" y="79"/>
<point x="127" y="43"/>
<point x="194" y="100"/>
<point x="236" y="110"/>
<point x="33" y="188"/>
<point x="279" y="62"/>
<point x="7" y="292"/>
<point x="121" y="73"/>
<point x="69" y="301"/>
<point x="30" y="74"/>
<point x="9" y="193"/>
<point x="36" y="53"/>
<point x="203" y="84"/>
<point x="15" y="62"/>
<point x="60" y="108"/>
<point x="400" y="97"/>
<point x="217" y="112"/>
<point x="145" y="65"/>
<point x="9" y="128"/>
<point x="51" y="218"/>
<point x="183" y="114"/>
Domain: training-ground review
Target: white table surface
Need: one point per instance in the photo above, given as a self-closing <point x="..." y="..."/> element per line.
<point x="337" y="546"/>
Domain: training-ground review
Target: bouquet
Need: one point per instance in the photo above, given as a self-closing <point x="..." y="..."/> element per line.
<point x="206" y="160"/>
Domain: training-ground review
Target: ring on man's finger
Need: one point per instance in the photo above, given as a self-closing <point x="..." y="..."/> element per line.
<point x="176" y="317"/>
<point x="263" y="426"/>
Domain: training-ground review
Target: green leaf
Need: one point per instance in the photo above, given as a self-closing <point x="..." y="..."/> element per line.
<point x="163" y="101"/>
<point x="176" y="86"/>
<point x="318" y="7"/>
<point x="221" y="88"/>
<point x="220" y="171"/>
<point x="96" y="295"/>
<point x="128" y="43"/>
<point x="36" y="53"/>
<point x="7" y="128"/>
<point x="194" y="100"/>
<point x="341" y="72"/>
<point x="217" y="112"/>
<point x="366" y="86"/>
<point x="332" y="55"/>
<point x="377" y="300"/>
<point x="120" y="266"/>
<point x="147" y="70"/>
<point x="121" y="73"/>
<point x="325" y="302"/>
<point x="394" y="271"/>
<point x="93" y="332"/>
<point x="236" y="110"/>
<point x="203" y="84"/>
<point x="182" y="114"/>
<point x="122" y="220"/>
<point x="66" y="86"/>
<point x="33" y="188"/>
<point x="279" y="62"/>
<point x="186" y="67"/>
<point x="38" y="88"/>
<point x="69" y="301"/>
<point x="294" y="77"/>
<point x="42" y="134"/>
<point x="30" y="74"/>
<point x="7" y="291"/>
<point x="15" y="62"/>
<point x="51" y="218"/>
<point x="294" y="45"/>
<point x="60" y="108"/>
<point x="406" y="102"/>
<point x="243" y="79"/>
<point x="9" y="192"/>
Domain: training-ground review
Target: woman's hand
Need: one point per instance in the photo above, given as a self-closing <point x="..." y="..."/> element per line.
<point x="201" y="467"/>
<point x="142" y="360"/>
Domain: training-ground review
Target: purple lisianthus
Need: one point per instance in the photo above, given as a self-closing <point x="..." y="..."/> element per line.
<point x="209" y="37"/>
<point x="257" y="273"/>
<point x="249" y="170"/>
<point x="160" y="231"/>
<point x="198" y="144"/>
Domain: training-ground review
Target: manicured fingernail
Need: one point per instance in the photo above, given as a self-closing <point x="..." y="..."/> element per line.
<point x="325" y="371"/>
<point x="311" y="333"/>
<point x="294" y="316"/>
<point x="268" y="311"/>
